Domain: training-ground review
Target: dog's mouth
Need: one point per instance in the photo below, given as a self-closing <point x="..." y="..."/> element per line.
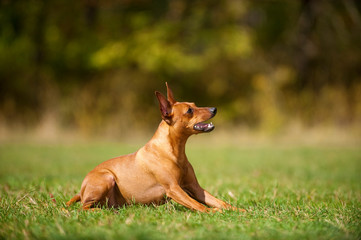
<point x="203" y="126"/>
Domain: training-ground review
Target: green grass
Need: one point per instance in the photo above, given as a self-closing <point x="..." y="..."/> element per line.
<point x="289" y="193"/>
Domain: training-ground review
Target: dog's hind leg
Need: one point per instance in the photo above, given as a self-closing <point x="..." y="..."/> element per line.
<point x="96" y="189"/>
<point x="74" y="199"/>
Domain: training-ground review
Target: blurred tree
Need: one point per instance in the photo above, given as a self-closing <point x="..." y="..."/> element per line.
<point x="265" y="63"/>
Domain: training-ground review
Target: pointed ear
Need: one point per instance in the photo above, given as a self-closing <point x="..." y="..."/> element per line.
<point x="165" y="107"/>
<point x="170" y="95"/>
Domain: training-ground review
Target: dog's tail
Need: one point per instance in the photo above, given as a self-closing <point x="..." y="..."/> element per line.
<point x="76" y="198"/>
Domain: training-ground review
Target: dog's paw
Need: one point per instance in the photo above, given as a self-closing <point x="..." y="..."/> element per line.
<point x="240" y="210"/>
<point x="214" y="210"/>
<point x="237" y="209"/>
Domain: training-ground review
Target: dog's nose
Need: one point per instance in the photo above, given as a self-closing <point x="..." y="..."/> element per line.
<point x="213" y="110"/>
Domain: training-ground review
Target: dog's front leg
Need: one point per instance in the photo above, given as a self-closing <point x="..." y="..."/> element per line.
<point x="192" y="187"/>
<point x="205" y="197"/>
<point x="176" y="193"/>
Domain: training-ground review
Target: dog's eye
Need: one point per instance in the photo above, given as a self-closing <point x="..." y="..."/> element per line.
<point x="190" y="110"/>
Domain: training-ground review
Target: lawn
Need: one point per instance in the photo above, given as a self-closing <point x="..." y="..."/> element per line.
<point x="288" y="192"/>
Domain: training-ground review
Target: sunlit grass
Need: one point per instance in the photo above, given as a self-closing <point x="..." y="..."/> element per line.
<point x="289" y="192"/>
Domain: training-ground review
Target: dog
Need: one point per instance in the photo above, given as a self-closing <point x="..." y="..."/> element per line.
<point x="158" y="171"/>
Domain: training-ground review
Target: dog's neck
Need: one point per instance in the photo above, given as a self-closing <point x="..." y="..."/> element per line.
<point x="171" y="141"/>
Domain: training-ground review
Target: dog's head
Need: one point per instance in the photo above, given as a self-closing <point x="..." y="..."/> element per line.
<point x="185" y="117"/>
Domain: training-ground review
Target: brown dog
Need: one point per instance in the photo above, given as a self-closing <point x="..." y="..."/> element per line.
<point x="158" y="170"/>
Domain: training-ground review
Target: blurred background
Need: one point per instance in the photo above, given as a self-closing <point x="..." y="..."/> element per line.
<point x="90" y="68"/>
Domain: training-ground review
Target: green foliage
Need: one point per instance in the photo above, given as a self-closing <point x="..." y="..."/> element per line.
<point x="289" y="193"/>
<point x="266" y="64"/>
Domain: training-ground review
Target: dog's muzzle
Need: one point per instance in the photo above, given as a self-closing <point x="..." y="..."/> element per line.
<point x="206" y="127"/>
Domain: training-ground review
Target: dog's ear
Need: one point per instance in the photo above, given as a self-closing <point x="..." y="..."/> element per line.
<point x="170" y="95"/>
<point x="165" y="107"/>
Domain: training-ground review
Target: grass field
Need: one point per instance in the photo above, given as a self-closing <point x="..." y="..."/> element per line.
<point x="288" y="192"/>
